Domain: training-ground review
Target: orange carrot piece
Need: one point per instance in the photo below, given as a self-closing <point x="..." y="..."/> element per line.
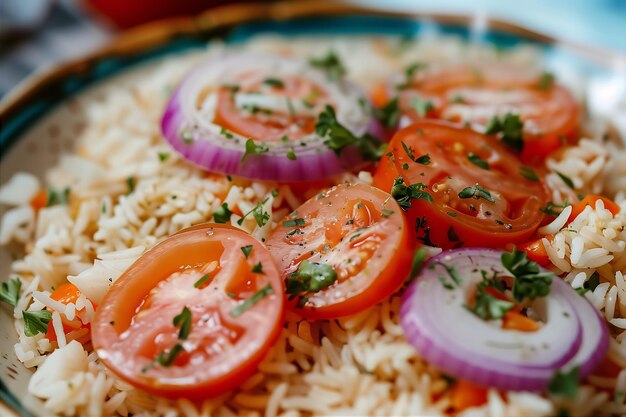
<point x="466" y="394"/>
<point x="590" y="200"/>
<point x="514" y="320"/>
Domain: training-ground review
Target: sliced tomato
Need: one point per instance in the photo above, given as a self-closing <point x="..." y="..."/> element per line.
<point x="465" y="394"/>
<point x="235" y="300"/>
<point x="358" y="231"/>
<point x="458" y="214"/>
<point x="271" y="126"/>
<point x="474" y="94"/>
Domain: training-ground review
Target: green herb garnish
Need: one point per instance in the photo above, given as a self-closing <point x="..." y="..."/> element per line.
<point x="309" y="277"/>
<point x="565" y="384"/>
<point x="222" y="214"/>
<point x="530" y="282"/>
<point x="246" y="250"/>
<point x="404" y="194"/>
<point x="294" y="222"/>
<point x="36" y="322"/>
<point x="476" y="192"/>
<point x="389" y="114"/>
<point x="248" y="303"/>
<point x="510" y="129"/>
<point x="331" y="64"/>
<point x="10" y="291"/>
<point x="567" y="180"/>
<point x="528" y="173"/>
<point x="201" y="281"/>
<point x="253" y="149"/>
<point x="274" y="82"/>
<point x="546" y="81"/>
<point x="183" y="321"/>
<point x="477" y="160"/>
<point x="422" y="107"/>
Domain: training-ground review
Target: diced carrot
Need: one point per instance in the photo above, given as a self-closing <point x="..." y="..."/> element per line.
<point x="66" y="293"/>
<point x="514" y="320"/>
<point x="40" y="200"/>
<point x="590" y="200"/>
<point x="379" y="95"/>
<point x="536" y="252"/>
<point x="465" y="394"/>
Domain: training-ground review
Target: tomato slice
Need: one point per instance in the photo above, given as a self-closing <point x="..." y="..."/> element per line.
<point x="476" y="93"/>
<point x="458" y="215"/>
<point x="358" y="231"/>
<point x="235" y="300"/>
<point x="271" y="126"/>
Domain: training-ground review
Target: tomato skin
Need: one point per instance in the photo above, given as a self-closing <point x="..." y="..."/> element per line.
<point x="65" y="293"/>
<point x="466" y="394"/>
<point x="385" y="173"/>
<point x="40" y="200"/>
<point x="221" y="350"/>
<point x="447" y="222"/>
<point x="536" y="252"/>
<point x="331" y="219"/>
<point x="590" y="200"/>
<point x="476" y="92"/>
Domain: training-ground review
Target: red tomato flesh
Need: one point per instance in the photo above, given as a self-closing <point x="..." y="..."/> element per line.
<point x="134" y="323"/>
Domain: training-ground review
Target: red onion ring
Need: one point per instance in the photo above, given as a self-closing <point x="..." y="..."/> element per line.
<point x="211" y="150"/>
<point x="459" y="343"/>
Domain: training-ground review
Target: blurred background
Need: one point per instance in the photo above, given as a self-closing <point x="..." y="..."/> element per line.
<point x="35" y="34"/>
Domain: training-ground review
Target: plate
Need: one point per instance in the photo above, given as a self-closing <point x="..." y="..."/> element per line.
<point x="40" y="117"/>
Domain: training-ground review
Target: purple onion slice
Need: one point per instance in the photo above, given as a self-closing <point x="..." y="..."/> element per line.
<point x="437" y="322"/>
<point x="189" y="123"/>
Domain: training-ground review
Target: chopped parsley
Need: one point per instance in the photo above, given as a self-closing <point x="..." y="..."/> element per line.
<point x="246" y="250"/>
<point x="309" y="277"/>
<point x="546" y="81"/>
<point x="261" y="216"/>
<point x="36" y="322"/>
<point x="488" y="307"/>
<point x="274" y="82"/>
<point x="258" y="268"/>
<point x="248" y="303"/>
<point x="226" y="133"/>
<point x="331" y="64"/>
<point x="338" y="136"/>
<point x="404" y="194"/>
<point x="54" y="197"/>
<point x="409" y="72"/>
<point x="201" y="281"/>
<point x="164" y="156"/>
<point x="166" y="358"/>
<point x="291" y="155"/>
<point x="530" y="282"/>
<point x="253" y="149"/>
<point x="389" y="114"/>
<point x="550" y="207"/>
<point x="476" y="192"/>
<point x="183" y="321"/>
<point x="528" y="173"/>
<point x="386" y="213"/>
<point x="422" y="107"/>
<point x="10" y="291"/>
<point x="567" y="180"/>
<point x="294" y="222"/>
<point x="477" y="160"/>
<point x="565" y="384"/>
<point x="222" y="214"/>
<point x="509" y="128"/>
<point x="186" y="136"/>
<point x="130" y="182"/>
<point x="419" y="257"/>
<point x="424" y="159"/>
<point x="590" y="284"/>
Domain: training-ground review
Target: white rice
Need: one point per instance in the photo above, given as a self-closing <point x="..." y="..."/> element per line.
<point x="358" y="365"/>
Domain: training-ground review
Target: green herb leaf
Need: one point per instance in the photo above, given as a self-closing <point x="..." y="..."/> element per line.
<point x="477" y="160"/>
<point x="422" y="107"/>
<point x="476" y="192"/>
<point x="253" y="149"/>
<point x="168" y="357"/>
<point x="10" y="291"/>
<point x="528" y="173"/>
<point x="387" y="213"/>
<point x="186" y="136"/>
<point x="338" y="137"/>
<point x="389" y="114"/>
<point x="183" y="321"/>
<point x="404" y="194"/>
<point x="567" y="180"/>
<point x="226" y="133"/>
<point x="222" y="214"/>
<point x="510" y="129"/>
<point x="36" y="322"/>
<point x="309" y="277"/>
<point x="450" y="269"/>
<point x="565" y="384"/>
<point x="248" y="303"/>
<point x="530" y="282"/>
<point x="258" y="268"/>
<point x="424" y="159"/>
<point x="55" y="197"/>
<point x="291" y="155"/>
<point x="201" y="281"/>
<point x="550" y="207"/>
<point x="419" y="257"/>
<point x="246" y="250"/>
<point x="488" y="307"/>
<point x="274" y="82"/>
<point x="546" y="81"/>
<point x="294" y="222"/>
<point x="164" y="156"/>
<point x="409" y="72"/>
<point x="260" y="215"/>
<point x="331" y="64"/>
<point x="130" y="182"/>
<point x="590" y="284"/>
